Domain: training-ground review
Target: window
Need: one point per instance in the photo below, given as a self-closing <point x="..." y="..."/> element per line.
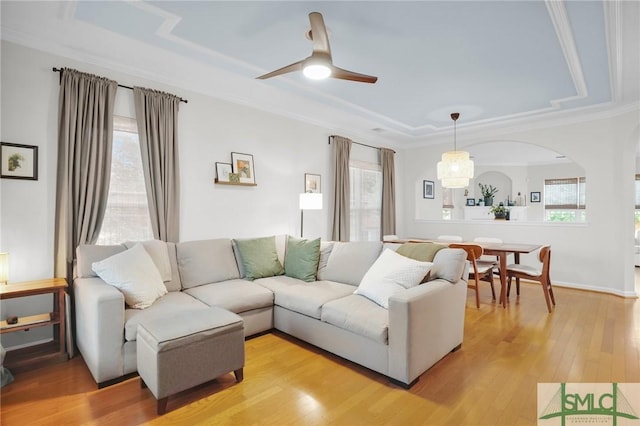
<point x="366" y="200"/>
<point x="127" y="214"/>
<point x="565" y="200"/>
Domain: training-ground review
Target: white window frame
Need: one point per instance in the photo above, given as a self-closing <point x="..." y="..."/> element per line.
<point x="573" y="209"/>
<point x="138" y="230"/>
<point x="356" y="231"/>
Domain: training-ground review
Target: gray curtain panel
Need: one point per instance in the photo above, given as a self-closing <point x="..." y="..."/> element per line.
<point x="388" y="193"/>
<point x="85" y="136"/>
<point x="342" y="151"/>
<point x="157" y="118"/>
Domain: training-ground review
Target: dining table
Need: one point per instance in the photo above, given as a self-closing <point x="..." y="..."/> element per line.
<point x="500" y="250"/>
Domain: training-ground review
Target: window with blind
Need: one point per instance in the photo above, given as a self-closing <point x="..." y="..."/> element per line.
<point x="365" y="200"/>
<point x="565" y="199"/>
<point x="127" y="215"/>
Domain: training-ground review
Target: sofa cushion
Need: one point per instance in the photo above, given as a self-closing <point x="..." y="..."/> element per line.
<point x="206" y="261"/>
<point x="308" y="298"/>
<point x="134" y="274"/>
<point x="159" y="254"/>
<point x="359" y="315"/>
<point x="235" y="295"/>
<point x="390" y="274"/>
<point x="301" y="259"/>
<point x="448" y="264"/>
<point x="349" y="261"/>
<point x="164" y="308"/>
<point x="277" y="283"/>
<point x="88" y="254"/>
<point x="424" y="252"/>
<point x="259" y="257"/>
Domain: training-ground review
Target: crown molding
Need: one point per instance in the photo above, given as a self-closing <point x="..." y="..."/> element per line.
<point x="613" y="33"/>
<point x="476" y="132"/>
<point x="558" y="13"/>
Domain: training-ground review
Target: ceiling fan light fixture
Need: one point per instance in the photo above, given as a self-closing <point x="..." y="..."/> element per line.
<point x="455" y="169"/>
<point x="316" y="71"/>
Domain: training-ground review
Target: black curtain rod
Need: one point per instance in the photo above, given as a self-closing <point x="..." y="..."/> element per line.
<point x="119" y="85"/>
<point x="360" y="143"/>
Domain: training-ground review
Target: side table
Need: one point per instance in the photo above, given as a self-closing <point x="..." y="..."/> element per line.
<point x="29" y="357"/>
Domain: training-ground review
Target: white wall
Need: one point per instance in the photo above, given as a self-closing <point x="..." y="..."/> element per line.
<point x="597" y="255"/>
<point x="209" y="130"/>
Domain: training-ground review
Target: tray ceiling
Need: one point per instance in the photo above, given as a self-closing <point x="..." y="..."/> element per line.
<point x="494" y="62"/>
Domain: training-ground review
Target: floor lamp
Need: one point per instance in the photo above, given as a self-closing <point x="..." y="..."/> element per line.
<point x="309" y="201"/>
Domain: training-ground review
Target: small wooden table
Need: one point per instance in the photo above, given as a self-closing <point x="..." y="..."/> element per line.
<point x="22" y="359"/>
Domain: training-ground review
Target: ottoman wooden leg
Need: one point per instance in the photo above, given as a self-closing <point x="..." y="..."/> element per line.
<point x="239" y="375"/>
<point x="162" y="405"/>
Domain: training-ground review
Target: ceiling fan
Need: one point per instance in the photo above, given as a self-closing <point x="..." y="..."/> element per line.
<point x="320" y="65"/>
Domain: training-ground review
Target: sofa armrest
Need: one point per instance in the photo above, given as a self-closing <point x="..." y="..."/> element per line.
<point x="425" y="323"/>
<point x="99" y="310"/>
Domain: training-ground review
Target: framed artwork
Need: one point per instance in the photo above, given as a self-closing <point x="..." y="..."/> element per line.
<point x="242" y="164"/>
<point x="471" y="201"/>
<point x="18" y="161"/>
<point x="535" y="197"/>
<point x="312" y="183"/>
<point x="222" y="171"/>
<point x="428" y="189"/>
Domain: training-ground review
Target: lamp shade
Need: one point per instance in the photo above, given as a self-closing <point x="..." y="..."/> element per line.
<point x="310" y="201"/>
<point x="455" y="169"/>
<point x="4" y="268"/>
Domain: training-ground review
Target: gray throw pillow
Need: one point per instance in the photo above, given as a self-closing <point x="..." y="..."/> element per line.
<point x="259" y="257"/>
<point x="301" y="258"/>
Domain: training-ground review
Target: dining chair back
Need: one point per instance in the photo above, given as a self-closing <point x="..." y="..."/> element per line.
<point x="539" y="273"/>
<point x="480" y="270"/>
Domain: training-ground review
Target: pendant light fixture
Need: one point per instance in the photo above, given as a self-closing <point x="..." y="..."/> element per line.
<point x="455" y="169"/>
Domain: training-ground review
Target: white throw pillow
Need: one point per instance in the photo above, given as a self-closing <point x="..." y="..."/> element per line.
<point x="157" y="249"/>
<point x="390" y="274"/>
<point x="134" y="274"/>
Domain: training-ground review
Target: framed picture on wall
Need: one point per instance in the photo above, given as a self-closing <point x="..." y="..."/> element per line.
<point x="18" y="161"/>
<point x="222" y="171"/>
<point x="242" y="164"/>
<point x="535" y="197"/>
<point x="312" y="183"/>
<point x="428" y="189"/>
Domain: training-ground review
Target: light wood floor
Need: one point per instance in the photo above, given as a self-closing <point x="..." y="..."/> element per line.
<point x="493" y="379"/>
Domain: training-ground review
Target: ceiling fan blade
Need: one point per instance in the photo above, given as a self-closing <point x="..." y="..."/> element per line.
<point x="319" y="34"/>
<point x="343" y="74"/>
<point x="296" y="66"/>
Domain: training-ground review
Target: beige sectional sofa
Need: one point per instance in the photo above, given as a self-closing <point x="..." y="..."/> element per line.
<point x="421" y="325"/>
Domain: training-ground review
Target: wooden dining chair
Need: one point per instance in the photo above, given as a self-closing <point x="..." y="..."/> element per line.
<point x="539" y="274"/>
<point x="480" y="270"/>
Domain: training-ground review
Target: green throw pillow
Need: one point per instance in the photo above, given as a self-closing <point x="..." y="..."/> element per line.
<point x="424" y="252"/>
<point x="301" y="259"/>
<point x="259" y="257"/>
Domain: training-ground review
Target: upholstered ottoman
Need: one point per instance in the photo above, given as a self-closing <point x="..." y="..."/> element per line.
<point x="188" y="349"/>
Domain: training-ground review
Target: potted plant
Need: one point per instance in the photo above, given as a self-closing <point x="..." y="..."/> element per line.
<point x="488" y="191"/>
<point x="499" y="211"/>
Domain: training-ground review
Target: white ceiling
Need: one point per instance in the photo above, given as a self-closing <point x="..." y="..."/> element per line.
<point x="497" y="63"/>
